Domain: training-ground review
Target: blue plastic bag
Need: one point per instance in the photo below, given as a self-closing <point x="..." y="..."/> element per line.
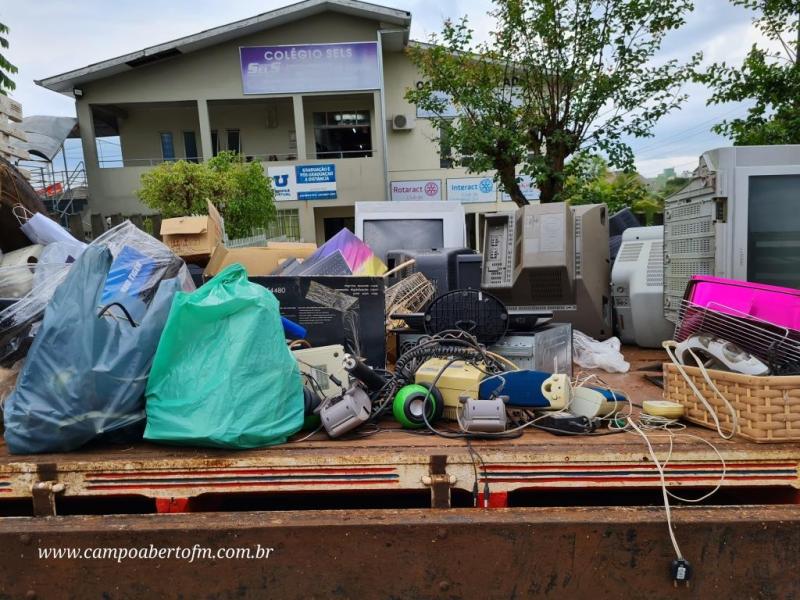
<point x="87" y="368"/>
<point x="223" y="375"/>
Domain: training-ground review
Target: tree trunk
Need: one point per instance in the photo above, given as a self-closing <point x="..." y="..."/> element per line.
<point x="508" y="177"/>
<point x="553" y="185"/>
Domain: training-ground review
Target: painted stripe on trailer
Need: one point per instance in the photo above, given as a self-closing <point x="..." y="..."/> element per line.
<point x="133" y="486"/>
<point x="617" y="466"/>
<point x="667" y="473"/>
<point x="288" y="478"/>
<point x="255" y="471"/>
<point x="653" y="478"/>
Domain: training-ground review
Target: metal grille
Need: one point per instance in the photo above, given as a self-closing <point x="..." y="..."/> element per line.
<point x="655" y="265"/>
<point x="691" y="246"/>
<point x="690" y="228"/>
<point x="286" y="225"/>
<point x="630" y="252"/>
<point x="778" y="347"/>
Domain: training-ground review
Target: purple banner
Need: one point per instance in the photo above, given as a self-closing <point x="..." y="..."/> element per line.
<point x="310" y="68"/>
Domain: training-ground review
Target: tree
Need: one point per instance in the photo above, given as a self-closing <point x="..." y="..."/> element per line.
<point x="590" y="181"/>
<point x="556" y="78"/>
<point x="769" y="77"/>
<point x="239" y="190"/>
<point x="6" y="68"/>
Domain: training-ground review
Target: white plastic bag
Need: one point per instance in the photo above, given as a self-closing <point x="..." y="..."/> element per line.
<point x="589" y="353"/>
<point x="16" y="271"/>
<point x="43" y="230"/>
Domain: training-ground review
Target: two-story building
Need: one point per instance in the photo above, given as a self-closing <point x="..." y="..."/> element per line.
<point x="314" y="91"/>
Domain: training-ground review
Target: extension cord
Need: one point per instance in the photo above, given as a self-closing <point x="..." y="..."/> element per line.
<point x="663" y="408"/>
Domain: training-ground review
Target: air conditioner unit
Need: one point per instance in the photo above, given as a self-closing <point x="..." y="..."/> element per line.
<point x="402" y="123"/>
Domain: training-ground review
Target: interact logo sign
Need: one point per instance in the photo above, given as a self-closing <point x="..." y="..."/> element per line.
<point x="471" y="189"/>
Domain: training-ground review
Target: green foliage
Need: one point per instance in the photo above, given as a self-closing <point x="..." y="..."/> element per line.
<point x="6" y="68"/>
<point x="558" y="77"/>
<point x="239" y="190"/>
<point x="588" y="180"/>
<point x="769" y="78"/>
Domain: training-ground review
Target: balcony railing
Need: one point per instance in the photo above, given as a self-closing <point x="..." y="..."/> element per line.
<point x="116" y="163"/>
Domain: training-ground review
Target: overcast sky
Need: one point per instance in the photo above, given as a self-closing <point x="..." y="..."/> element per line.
<point x="49" y="37"/>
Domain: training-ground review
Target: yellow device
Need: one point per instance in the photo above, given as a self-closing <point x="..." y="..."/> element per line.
<point x="457" y="380"/>
<point x="663" y="408"/>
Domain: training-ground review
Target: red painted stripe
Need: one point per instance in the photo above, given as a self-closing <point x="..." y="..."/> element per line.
<point x="620" y="466"/>
<point x="201" y="472"/>
<point x="624" y="479"/>
<point x="2" y="490"/>
<point x="236" y="484"/>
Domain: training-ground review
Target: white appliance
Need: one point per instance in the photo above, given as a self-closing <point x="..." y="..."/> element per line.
<point x="637" y="285"/>
<point x="388" y="226"/>
<point x="739" y="218"/>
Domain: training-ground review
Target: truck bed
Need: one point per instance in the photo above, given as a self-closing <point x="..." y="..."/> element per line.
<point x="380" y="462"/>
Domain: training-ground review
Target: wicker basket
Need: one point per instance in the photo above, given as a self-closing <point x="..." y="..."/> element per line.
<point x="768" y="407"/>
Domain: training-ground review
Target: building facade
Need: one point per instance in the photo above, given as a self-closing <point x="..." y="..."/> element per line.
<point x="314" y="91"/>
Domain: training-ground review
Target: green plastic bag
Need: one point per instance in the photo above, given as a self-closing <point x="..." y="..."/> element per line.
<point x="222" y="375"/>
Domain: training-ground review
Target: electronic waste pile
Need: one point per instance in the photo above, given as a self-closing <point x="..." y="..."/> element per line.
<point x="196" y="341"/>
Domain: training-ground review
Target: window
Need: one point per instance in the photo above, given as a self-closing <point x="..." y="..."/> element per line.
<point x="343" y="134"/>
<point x="445" y="150"/>
<point x="214" y="142"/>
<point x="286" y="225"/>
<point x="190" y="146"/>
<point x="167" y="146"/>
<point x="234" y="140"/>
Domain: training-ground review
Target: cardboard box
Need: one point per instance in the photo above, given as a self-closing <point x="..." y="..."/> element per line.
<point x="258" y="261"/>
<point x="325" y="324"/>
<point x="193" y="238"/>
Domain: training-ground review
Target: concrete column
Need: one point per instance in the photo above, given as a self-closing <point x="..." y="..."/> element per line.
<point x="88" y="141"/>
<point x="205" y="129"/>
<point x="299" y="126"/>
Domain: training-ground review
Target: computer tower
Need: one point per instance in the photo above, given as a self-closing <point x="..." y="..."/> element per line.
<point x="737" y="218"/>
<point x="439" y="265"/>
<point x="637" y="285"/>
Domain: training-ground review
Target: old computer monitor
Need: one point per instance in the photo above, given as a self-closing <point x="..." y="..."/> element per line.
<point x="552" y="257"/>
<point x="387" y="226"/>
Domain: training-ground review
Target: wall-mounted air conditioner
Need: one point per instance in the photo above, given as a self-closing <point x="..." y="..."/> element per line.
<point x="402" y="122"/>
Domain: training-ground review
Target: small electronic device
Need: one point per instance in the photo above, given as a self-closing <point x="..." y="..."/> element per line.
<point x="459" y="379"/>
<point x="384" y="226"/>
<point x="663" y="408"/>
<point x="348" y="412"/>
<point x="591" y="403"/>
<point x="319" y="364"/>
<point x="409" y="403"/>
<point x="523" y="388"/>
<point x="637" y="286"/>
<point x="721" y="353"/>
<point x="439" y="265"/>
<point x="482" y="416"/>
<point x="565" y="424"/>
<point x="359" y="370"/>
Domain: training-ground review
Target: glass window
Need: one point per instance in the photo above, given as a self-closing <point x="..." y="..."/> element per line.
<point x="773" y="236"/>
<point x="167" y="146"/>
<point x="286" y="225"/>
<point x="190" y="146"/>
<point x="214" y="142"/>
<point x="234" y="140"/>
<point x="345" y="134"/>
<point x="445" y="150"/>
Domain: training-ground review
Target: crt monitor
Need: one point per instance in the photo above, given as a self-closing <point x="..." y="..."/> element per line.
<point x="385" y="226"/>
